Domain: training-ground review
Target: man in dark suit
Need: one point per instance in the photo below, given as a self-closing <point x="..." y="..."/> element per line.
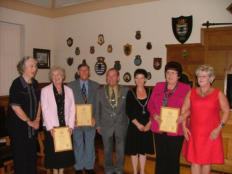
<point x="111" y="120"/>
<point x="84" y="91"/>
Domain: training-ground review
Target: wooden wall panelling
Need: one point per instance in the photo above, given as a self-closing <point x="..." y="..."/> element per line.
<point x="215" y="49"/>
<point x="218" y="51"/>
<point x="194" y="56"/>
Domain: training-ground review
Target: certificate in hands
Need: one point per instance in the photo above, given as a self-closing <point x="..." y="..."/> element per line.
<point x="168" y="119"/>
<point x="84" y="114"/>
<point x="62" y="139"/>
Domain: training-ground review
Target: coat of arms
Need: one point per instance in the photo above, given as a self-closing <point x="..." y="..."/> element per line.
<point x="100" y="39"/>
<point x="100" y="66"/>
<point x="70" y="61"/>
<point x="117" y="65"/>
<point x="157" y="63"/>
<point x="92" y="50"/>
<point x="182" y="28"/>
<point x="127" y="49"/>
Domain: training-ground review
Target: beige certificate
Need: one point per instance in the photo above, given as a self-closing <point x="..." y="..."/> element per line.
<point x="62" y="139"/>
<point x="169" y="116"/>
<point x="84" y="114"/>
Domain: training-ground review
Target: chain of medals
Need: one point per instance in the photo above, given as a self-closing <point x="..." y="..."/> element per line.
<point x="106" y="88"/>
<point x="142" y="105"/>
<point x="166" y="96"/>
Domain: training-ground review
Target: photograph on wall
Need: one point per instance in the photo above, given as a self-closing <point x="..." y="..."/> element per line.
<point x="42" y="57"/>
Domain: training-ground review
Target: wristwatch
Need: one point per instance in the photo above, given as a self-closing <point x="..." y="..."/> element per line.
<point x="222" y="124"/>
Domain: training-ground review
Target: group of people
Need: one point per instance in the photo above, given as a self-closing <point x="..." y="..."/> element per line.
<point x="128" y="117"/>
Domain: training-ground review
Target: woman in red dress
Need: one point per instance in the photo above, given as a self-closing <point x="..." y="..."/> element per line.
<point x="203" y="144"/>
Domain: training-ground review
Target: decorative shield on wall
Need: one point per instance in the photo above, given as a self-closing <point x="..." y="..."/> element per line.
<point x="149" y="45"/>
<point x="157" y="63"/>
<point x="117" y="65"/>
<point x="69" y="41"/>
<point x="182" y="28"/>
<point x="100" y="66"/>
<point x="138" y="35"/>
<point x="127" y="77"/>
<point x="100" y="40"/>
<point x="92" y="50"/>
<point x="109" y="49"/>
<point x="69" y="61"/>
<point x="127" y="49"/>
<point x="137" y="60"/>
<point x="77" y="51"/>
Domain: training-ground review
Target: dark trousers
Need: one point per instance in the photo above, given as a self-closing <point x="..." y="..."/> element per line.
<point x="168" y="149"/>
<point x="24" y="155"/>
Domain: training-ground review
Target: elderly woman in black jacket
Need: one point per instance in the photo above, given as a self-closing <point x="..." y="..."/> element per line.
<point x="24" y="116"/>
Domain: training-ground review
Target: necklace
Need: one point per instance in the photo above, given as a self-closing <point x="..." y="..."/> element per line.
<point x="166" y="95"/>
<point x="203" y="94"/>
<point x="142" y="105"/>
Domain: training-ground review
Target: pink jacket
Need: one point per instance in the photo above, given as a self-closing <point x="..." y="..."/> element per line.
<point x="175" y="100"/>
<point x="49" y="107"/>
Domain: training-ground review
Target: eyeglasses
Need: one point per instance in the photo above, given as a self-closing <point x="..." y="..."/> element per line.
<point x="171" y="73"/>
<point x="202" y="77"/>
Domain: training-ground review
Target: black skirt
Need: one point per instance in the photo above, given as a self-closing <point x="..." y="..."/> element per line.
<point x="56" y="160"/>
<point x="139" y="142"/>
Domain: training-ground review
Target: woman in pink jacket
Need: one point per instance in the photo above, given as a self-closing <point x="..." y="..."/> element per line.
<point x="170" y="93"/>
<point x="58" y="108"/>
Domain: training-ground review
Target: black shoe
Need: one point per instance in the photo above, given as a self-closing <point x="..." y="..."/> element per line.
<point x="90" y="171"/>
<point x="78" y="171"/>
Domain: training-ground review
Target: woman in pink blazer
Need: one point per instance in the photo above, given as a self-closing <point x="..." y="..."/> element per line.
<point x="58" y="108"/>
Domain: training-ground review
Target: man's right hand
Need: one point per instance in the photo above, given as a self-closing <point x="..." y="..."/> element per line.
<point x="98" y="130"/>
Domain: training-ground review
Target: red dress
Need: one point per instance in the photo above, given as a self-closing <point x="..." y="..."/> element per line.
<point x="205" y="116"/>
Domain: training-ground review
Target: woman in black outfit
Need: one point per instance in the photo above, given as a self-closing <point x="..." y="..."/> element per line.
<point x="24" y="116"/>
<point x="139" y="136"/>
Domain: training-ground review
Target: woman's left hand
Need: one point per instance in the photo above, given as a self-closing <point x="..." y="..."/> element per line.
<point x="180" y="119"/>
<point x="70" y="130"/>
<point x="93" y="122"/>
<point x="215" y="133"/>
<point x="147" y="127"/>
<point x="34" y="124"/>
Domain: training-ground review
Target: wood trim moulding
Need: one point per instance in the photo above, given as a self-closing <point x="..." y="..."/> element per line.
<point x="184" y="45"/>
<point x="27" y="8"/>
<point x="69" y="10"/>
<point x="95" y="5"/>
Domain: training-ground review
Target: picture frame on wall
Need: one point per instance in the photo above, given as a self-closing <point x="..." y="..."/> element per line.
<point x="42" y="57"/>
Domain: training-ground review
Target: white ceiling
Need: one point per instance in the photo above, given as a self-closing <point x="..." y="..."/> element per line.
<point x="57" y="3"/>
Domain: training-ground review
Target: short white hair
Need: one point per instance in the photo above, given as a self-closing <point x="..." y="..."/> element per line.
<point x="206" y="68"/>
<point x="57" y="68"/>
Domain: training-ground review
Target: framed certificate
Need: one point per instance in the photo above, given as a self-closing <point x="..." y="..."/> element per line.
<point x="62" y="139"/>
<point x="84" y="114"/>
<point x="169" y="116"/>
